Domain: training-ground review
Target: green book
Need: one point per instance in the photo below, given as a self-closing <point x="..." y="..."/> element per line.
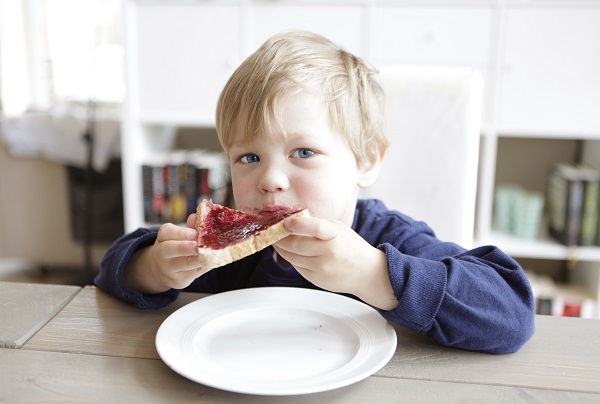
<point x="589" y="211"/>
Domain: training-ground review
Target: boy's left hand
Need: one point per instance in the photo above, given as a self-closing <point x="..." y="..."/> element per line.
<point x="334" y="257"/>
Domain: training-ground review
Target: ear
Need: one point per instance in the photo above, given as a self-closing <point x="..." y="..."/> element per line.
<point x="369" y="170"/>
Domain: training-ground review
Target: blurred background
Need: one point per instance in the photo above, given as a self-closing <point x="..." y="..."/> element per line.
<point x="101" y="97"/>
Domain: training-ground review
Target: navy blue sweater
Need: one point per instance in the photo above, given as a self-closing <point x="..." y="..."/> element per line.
<point x="478" y="300"/>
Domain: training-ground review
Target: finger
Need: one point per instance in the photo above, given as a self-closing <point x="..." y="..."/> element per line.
<point x="186" y="264"/>
<point x="171" y="249"/>
<point x="299" y="245"/>
<point x="297" y="260"/>
<point x="286" y="255"/>
<point x="310" y="226"/>
<point x="169" y="231"/>
<point x="182" y="279"/>
<point x="191" y="221"/>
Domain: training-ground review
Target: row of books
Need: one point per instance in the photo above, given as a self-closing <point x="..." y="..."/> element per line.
<point x="175" y="182"/>
<point x="564" y="306"/>
<point x="555" y="299"/>
<point x="518" y="211"/>
<point x="573" y="199"/>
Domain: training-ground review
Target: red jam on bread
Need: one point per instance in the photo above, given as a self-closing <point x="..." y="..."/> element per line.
<point x="226" y="235"/>
<point x="222" y="226"/>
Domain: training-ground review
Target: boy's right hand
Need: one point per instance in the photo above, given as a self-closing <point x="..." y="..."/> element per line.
<point x="171" y="263"/>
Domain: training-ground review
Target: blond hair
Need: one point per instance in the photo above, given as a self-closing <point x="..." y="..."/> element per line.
<point x="296" y="61"/>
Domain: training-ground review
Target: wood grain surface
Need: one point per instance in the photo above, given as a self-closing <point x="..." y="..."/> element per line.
<point x="30" y="376"/>
<point x="99" y="324"/>
<point x="25" y="308"/>
<point x="563" y="355"/>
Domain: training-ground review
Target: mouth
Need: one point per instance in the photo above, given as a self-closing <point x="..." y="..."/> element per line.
<point x="270" y="209"/>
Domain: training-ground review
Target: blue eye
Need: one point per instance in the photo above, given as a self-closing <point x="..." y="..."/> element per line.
<point x="250" y="158"/>
<point x="303" y="153"/>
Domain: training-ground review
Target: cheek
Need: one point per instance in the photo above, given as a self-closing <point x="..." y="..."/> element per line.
<point x="325" y="195"/>
<point x="241" y="190"/>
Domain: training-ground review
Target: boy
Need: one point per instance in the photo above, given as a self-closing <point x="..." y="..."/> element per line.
<point x="302" y="124"/>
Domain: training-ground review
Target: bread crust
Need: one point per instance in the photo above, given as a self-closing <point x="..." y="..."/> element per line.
<point x="209" y="258"/>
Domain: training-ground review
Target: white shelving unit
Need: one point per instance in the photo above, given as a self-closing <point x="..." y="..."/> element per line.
<point x="547" y="87"/>
<point x="540" y="60"/>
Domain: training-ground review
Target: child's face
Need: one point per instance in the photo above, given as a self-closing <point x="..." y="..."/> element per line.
<point x="311" y="167"/>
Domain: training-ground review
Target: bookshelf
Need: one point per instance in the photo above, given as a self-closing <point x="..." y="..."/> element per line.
<point x="544" y="247"/>
<point x="540" y="60"/>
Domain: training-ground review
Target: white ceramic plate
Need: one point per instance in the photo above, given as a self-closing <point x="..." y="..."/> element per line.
<point x="276" y="341"/>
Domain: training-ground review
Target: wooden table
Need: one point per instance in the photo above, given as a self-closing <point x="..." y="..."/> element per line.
<point x="100" y="349"/>
<point x="26" y="308"/>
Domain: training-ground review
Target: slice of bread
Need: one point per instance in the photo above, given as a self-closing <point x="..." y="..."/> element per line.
<point x="226" y="235"/>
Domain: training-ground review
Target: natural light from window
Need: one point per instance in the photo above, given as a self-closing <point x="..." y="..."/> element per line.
<point x="53" y="51"/>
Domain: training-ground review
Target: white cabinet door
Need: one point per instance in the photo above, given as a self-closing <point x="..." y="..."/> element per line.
<point x="428" y="35"/>
<point x="182" y="56"/>
<point x="551" y="78"/>
<point x="343" y="24"/>
<point x="448" y="36"/>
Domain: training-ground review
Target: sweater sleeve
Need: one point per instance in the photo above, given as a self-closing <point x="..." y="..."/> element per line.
<point x="110" y="277"/>
<point x="478" y="300"/>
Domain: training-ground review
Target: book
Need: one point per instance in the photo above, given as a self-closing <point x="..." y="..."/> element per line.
<point x="175" y="182"/>
<point x="565" y="201"/>
<point x="573" y="194"/>
<point x="589" y="211"/>
<point x="518" y="211"/>
<point x="213" y="176"/>
<point x="147" y="192"/>
<point x="176" y="198"/>
<point x="191" y="188"/>
<point x="157" y="191"/>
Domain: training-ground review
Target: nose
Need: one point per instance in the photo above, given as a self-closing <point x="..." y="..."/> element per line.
<point x="273" y="178"/>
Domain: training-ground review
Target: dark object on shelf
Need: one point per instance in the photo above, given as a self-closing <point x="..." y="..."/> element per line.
<point x="544" y="306"/>
<point x="572" y="310"/>
<point x="96" y="199"/>
<point x="106" y="210"/>
<point x="573" y="203"/>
